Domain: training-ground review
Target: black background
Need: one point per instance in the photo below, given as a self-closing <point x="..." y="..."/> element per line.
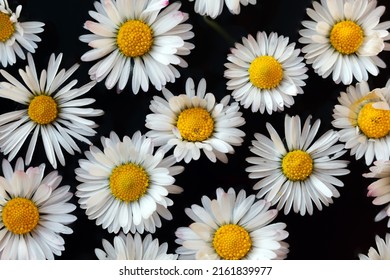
<point x="339" y="231"/>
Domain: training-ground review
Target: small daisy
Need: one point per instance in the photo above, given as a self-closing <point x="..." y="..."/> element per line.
<point x="34" y="212"/>
<point x="232" y="228"/>
<point x="380" y="189"/>
<point x="383" y="252"/>
<point x="344" y="39"/>
<point x="50" y="110"/>
<point x="213" y="8"/>
<point x="125" y="186"/>
<point x="300" y="172"/>
<point x="127" y="247"/>
<point x="265" y="73"/>
<point x="16" y="36"/>
<point x="193" y="122"/>
<point x="141" y="39"/>
<point x="363" y="117"/>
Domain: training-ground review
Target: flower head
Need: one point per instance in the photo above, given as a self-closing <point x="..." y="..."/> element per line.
<point x="300" y="172"/>
<point x="138" y="39"/>
<point x="193" y="122"/>
<point x="214" y="8"/>
<point x="383" y="252"/>
<point x="344" y="38"/>
<point x="265" y="73"/>
<point x="34" y="212"/>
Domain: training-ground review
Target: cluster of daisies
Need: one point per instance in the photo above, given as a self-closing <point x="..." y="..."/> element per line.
<point x="127" y="184"/>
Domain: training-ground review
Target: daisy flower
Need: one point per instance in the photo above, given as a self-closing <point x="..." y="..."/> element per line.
<point x="299" y="172"/>
<point x="265" y="73"/>
<point x="144" y="39"/>
<point x="344" y="39"/>
<point x="383" y="252"/>
<point x="193" y="122"/>
<point x="363" y="117"/>
<point x="214" y="8"/>
<point x="49" y="109"/>
<point x="380" y="189"/>
<point x="125" y="186"/>
<point x="127" y="247"/>
<point x="232" y="227"/>
<point x="15" y="36"/>
<point x="34" y="212"/>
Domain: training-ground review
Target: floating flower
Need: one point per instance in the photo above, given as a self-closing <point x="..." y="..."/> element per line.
<point x="34" y="212"/>
<point x="383" y="252"/>
<point x="265" y="73"/>
<point x="214" y="8"/>
<point x="138" y="39"/>
<point x="363" y="117"/>
<point x="16" y="36"/>
<point x="125" y="186"/>
<point x="299" y="173"/>
<point x="193" y="122"/>
<point x="127" y="247"/>
<point x="51" y="110"/>
<point x="344" y="39"/>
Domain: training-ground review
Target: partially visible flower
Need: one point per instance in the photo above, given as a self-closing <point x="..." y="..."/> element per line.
<point x="344" y="38"/>
<point x="214" y="8"/>
<point x="16" y="36"/>
<point x="300" y="172"/>
<point x="50" y="110"/>
<point x="141" y="40"/>
<point x="265" y="73"/>
<point x="380" y="189"/>
<point x="383" y="252"/>
<point x="193" y="122"/>
<point x="363" y="117"/>
<point x="232" y="227"/>
<point x="127" y="247"/>
<point x="34" y="212"/>
<point x="125" y="185"/>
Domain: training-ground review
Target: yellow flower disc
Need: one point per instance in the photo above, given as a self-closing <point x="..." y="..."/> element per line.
<point x="265" y="72"/>
<point x="135" y="38"/>
<point x="346" y="37"/>
<point x="20" y="215"/>
<point x="195" y="124"/>
<point x="297" y="165"/>
<point x="6" y="27"/>
<point x="43" y="109"/>
<point x="128" y="182"/>
<point x="232" y="242"/>
<point x="374" y="123"/>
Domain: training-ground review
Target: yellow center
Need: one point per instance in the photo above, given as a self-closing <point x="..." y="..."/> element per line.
<point x="232" y="242"/>
<point x="374" y="123"/>
<point x="346" y="37"/>
<point x="20" y="215"/>
<point x="297" y="165"/>
<point x="128" y="182"/>
<point x="195" y="124"/>
<point x="43" y="109"/>
<point x="6" y="27"/>
<point x="135" y="38"/>
<point x="265" y="72"/>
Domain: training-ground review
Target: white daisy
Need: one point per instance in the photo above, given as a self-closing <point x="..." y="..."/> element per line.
<point x="380" y="189"/>
<point x="125" y="186"/>
<point x="193" y="122"/>
<point x="265" y="73"/>
<point x="127" y="247"/>
<point x="34" y="212"/>
<point x="213" y="8"/>
<point x="383" y="252"/>
<point x="232" y="228"/>
<point x="144" y="39"/>
<point x="300" y="172"/>
<point x="50" y="110"/>
<point x="344" y="39"/>
<point x="363" y="117"/>
<point x="16" y="36"/>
